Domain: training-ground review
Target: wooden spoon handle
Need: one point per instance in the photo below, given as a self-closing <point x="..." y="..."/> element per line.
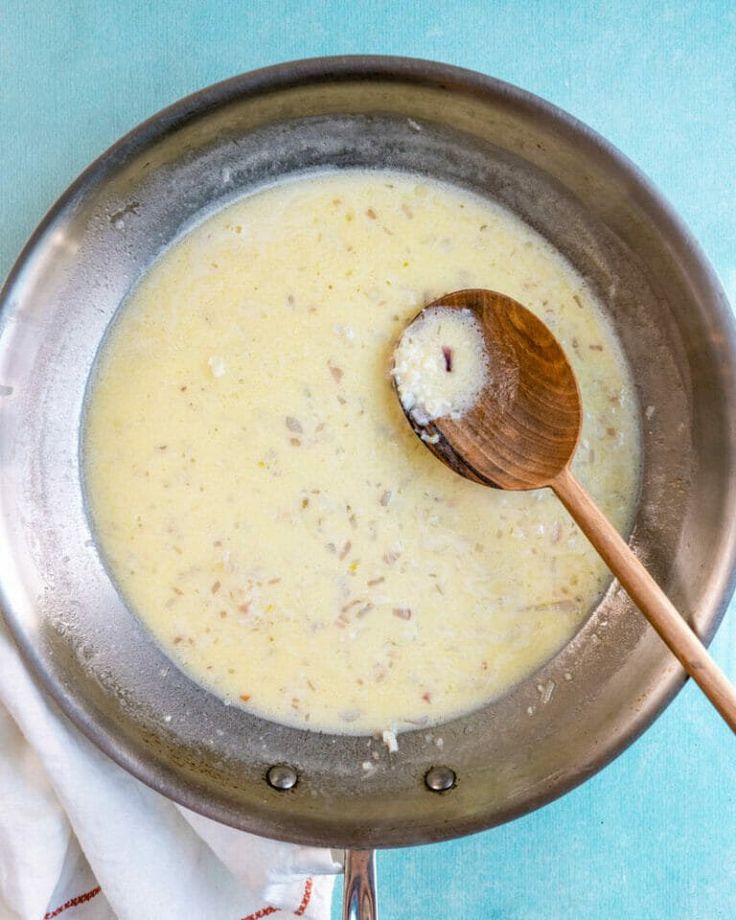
<point x="647" y="595"/>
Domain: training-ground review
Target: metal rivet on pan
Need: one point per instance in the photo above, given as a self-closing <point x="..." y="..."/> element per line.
<point x="440" y="779"/>
<point x="281" y="777"/>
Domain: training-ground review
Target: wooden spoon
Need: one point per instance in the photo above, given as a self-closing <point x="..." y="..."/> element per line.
<point x="522" y="434"/>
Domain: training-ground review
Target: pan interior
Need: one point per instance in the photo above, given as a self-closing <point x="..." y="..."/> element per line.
<point x="551" y="731"/>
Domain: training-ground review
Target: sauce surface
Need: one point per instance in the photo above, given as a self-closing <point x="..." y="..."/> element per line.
<point x="260" y="498"/>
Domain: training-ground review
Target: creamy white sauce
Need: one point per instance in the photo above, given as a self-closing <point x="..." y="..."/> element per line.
<point x="440" y="364"/>
<point x="263" y="504"/>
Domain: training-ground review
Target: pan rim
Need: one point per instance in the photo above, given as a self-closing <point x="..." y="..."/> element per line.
<point x="415" y="71"/>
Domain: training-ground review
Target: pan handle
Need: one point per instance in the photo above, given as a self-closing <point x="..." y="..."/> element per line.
<point x="359" y="897"/>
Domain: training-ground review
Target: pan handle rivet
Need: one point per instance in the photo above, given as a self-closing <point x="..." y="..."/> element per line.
<point x="281" y="777"/>
<point x="440" y="779"/>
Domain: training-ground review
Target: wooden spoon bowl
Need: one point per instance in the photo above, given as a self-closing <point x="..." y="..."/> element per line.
<point x="525" y="428"/>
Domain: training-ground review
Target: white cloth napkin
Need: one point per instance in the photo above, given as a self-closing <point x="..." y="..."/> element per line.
<point x="80" y="837"/>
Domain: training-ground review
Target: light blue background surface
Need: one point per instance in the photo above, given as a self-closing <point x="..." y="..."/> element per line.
<point x="654" y="835"/>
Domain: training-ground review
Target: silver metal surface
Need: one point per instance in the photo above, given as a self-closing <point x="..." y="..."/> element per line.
<point x="440" y="779"/>
<point x="101" y="665"/>
<point x="359" y="892"/>
<point x="282" y="777"/>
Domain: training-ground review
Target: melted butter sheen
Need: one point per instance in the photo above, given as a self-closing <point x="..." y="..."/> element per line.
<point x="260" y="498"/>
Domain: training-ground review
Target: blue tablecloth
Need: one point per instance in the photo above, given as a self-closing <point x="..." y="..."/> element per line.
<point x="654" y="835"/>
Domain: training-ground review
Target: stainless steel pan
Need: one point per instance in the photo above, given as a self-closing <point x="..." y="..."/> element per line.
<point x="101" y="665"/>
